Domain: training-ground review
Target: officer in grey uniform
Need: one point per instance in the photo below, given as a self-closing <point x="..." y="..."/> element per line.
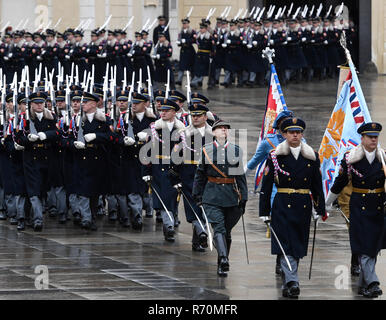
<point x="220" y="187"/>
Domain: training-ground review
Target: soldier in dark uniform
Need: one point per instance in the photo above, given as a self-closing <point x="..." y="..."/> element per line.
<point x="160" y="29"/>
<point x="164" y="138"/>
<point x="148" y="52"/>
<point x="257" y="64"/>
<point x="162" y="62"/>
<point x="277" y="40"/>
<point x="49" y="54"/>
<point x="197" y="135"/>
<point x="137" y="54"/>
<point x="363" y="166"/>
<point x="233" y="60"/>
<point x="6" y="163"/>
<point x="308" y="45"/>
<point x="94" y="57"/>
<point x="294" y="168"/>
<point x="220" y="57"/>
<point x="332" y="44"/>
<point x="62" y="51"/>
<point x="16" y="152"/>
<point x="186" y="38"/>
<point x="296" y="58"/>
<point x="6" y="50"/>
<point x="37" y="153"/>
<point x="90" y="158"/>
<point x="319" y="42"/>
<point x="220" y="187"/>
<point x="16" y="56"/>
<point x="78" y="54"/>
<point x="113" y="51"/>
<point x="205" y="51"/>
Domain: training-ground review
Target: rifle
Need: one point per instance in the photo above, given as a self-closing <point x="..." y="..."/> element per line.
<point x="130" y="132"/>
<point x="150" y="89"/>
<point x="68" y="108"/>
<point x="188" y="94"/>
<point x="114" y="97"/>
<point x="105" y="89"/>
<point x="4" y="109"/>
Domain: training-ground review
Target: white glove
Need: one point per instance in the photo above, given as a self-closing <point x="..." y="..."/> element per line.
<point x="224" y="45"/>
<point x="285" y="42"/>
<point x="229" y="41"/>
<point x="10" y="55"/>
<point x="177" y="186"/>
<point x="244" y="42"/>
<point x="39" y="58"/>
<point x="249" y="46"/>
<point x="128" y="141"/>
<point x="5" y="58"/>
<point x="325" y="42"/>
<point x="79" y="145"/>
<point x="183" y="40"/>
<point x="312" y="41"/>
<point x="178" y="42"/>
<point x="158" y="56"/>
<point x="2" y="141"/>
<point x="271" y="41"/>
<point x="129" y="55"/>
<point x="254" y="43"/>
<point x="304" y="39"/>
<point x="315" y="215"/>
<point x="330" y="200"/>
<point x="33" y="137"/>
<point x="42" y="136"/>
<point x="103" y="55"/>
<point x="289" y="38"/>
<point x="89" y="137"/>
<point x="18" y="147"/>
<point x="67" y="57"/>
<point x="146" y="178"/>
<point x="142" y="136"/>
<point x="265" y="219"/>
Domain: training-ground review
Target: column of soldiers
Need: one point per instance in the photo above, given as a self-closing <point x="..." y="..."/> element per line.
<point x="307" y="47"/>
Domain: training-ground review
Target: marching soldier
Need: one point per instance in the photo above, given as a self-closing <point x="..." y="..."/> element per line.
<point x="49" y="53"/>
<point x="233" y="60"/>
<point x="197" y="135"/>
<point x="137" y="54"/>
<point x="78" y="53"/>
<point x="265" y="147"/>
<point x="162" y="62"/>
<point x="160" y="29"/>
<point x="294" y="168"/>
<point x="186" y="38"/>
<point x="37" y="153"/>
<point x="257" y="65"/>
<point x="205" y="51"/>
<point x="220" y="187"/>
<point x="91" y="156"/>
<point x="363" y="166"/>
<point x="157" y="174"/>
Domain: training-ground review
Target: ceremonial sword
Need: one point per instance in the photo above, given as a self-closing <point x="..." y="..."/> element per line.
<point x="159" y="198"/>
<point x="281" y="248"/>
<point x="199" y="220"/>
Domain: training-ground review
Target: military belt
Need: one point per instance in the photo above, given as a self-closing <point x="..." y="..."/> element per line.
<point x="39" y="145"/>
<point x="204" y="51"/>
<point x="289" y="191"/>
<point x="359" y="190"/>
<point x="91" y="145"/>
<point x="220" y="180"/>
<point x="190" y="162"/>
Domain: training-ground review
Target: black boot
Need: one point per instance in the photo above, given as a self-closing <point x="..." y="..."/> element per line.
<point x="278" y="269"/>
<point x="355" y="267"/>
<point x="21" y="225"/>
<point x="229" y="243"/>
<point x="200" y="233"/>
<point x="196" y="243"/>
<point x="222" y="260"/>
